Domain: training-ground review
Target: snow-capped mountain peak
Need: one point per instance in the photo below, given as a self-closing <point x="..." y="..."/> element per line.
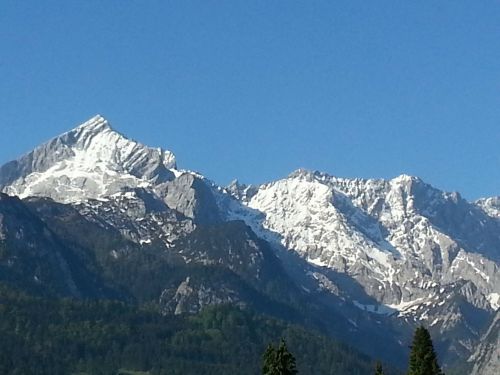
<point x="90" y="161"/>
<point x="396" y="237"/>
<point x="102" y="143"/>
<point x="94" y="124"/>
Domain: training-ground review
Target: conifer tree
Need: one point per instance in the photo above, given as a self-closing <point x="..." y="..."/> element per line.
<point x="278" y="361"/>
<point x="269" y="361"/>
<point x="378" y="369"/>
<point x="423" y="359"/>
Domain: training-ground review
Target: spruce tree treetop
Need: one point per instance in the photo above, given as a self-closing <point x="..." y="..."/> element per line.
<point x="278" y="361"/>
<point x="423" y="359"/>
<point x="378" y="369"/>
<point x="269" y="361"/>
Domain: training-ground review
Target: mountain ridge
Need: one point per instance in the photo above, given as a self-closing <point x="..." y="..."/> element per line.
<point x="398" y="251"/>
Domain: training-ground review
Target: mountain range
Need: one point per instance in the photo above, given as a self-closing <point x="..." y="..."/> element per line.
<point x="92" y="214"/>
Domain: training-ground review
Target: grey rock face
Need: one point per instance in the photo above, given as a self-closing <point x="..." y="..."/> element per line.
<point x="240" y="191"/>
<point x="191" y="196"/>
<point x="191" y="296"/>
<point x="486" y="358"/>
<point x="139" y="215"/>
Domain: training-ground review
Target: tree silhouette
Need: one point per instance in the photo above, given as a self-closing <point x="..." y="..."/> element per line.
<point x="423" y="359"/>
<point x="278" y="361"/>
<point x="378" y="369"/>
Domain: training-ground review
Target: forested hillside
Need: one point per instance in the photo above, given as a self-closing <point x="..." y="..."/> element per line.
<point x="64" y="336"/>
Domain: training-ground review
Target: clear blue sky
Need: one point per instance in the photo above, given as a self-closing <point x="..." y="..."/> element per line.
<point x="256" y="89"/>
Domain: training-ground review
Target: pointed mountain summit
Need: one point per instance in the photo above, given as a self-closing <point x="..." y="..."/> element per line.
<point x="90" y="161"/>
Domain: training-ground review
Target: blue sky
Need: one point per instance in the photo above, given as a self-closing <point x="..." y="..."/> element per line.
<point x="256" y="89"/>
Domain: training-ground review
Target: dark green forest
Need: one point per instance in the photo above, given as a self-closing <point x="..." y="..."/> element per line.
<point x="67" y="336"/>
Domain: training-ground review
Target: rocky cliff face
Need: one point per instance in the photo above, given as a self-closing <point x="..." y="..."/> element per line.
<point x="387" y="253"/>
<point x="32" y="256"/>
<point x="486" y="358"/>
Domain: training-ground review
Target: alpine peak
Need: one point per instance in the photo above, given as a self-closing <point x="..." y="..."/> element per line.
<point x="303" y="173"/>
<point x="90" y="161"/>
<point x="94" y="124"/>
